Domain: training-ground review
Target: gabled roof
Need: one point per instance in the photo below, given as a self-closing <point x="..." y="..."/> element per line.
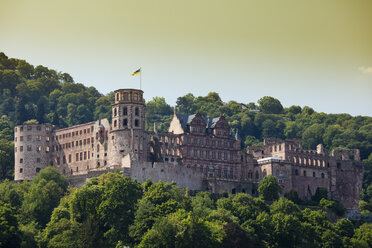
<point x="211" y="122"/>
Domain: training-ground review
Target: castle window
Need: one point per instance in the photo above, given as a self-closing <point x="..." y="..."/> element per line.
<point x="219" y="155"/>
<point x="85" y="131"/>
<point x="338" y="165"/>
<point x="64" y="159"/>
<point x="117" y="96"/>
<point x="81" y="156"/>
<point x="85" y="155"/>
<point x="21" y="129"/>
<point x="125" y="122"/>
<point x="47" y="138"/>
<point x="304" y="173"/>
<point x="257" y="175"/>
<point x="21" y="138"/>
<point x="136" y="123"/>
<point x="125" y="111"/>
<point x="80" y="142"/>
<point x="29" y="128"/>
<point x="264" y="172"/>
<point x="213" y="155"/>
<point x="21" y="160"/>
<point x="69" y="158"/>
<point x="115" y="123"/>
<point x="21" y="148"/>
<point x="38" y="148"/>
<point x="20" y="170"/>
<point x="77" y="157"/>
<point x="85" y="141"/>
<point x="77" y="169"/>
<point x="58" y="161"/>
<point x="201" y="154"/>
<point x="81" y="132"/>
<point x="37" y="160"/>
<point x="105" y="162"/>
<point x="195" y="153"/>
<point x="322" y="175"/>
<point x="115" y="113"/>
<point x="89" y="154"/>
<point x="313" y="174"/>
<point x="29" y="137"/>
<point x="136" y="111"/>
<point x="296" y="172"/>
<point x="37" y="170"/>
<point x="29" y="148"/>
<point x="38" y="128"/>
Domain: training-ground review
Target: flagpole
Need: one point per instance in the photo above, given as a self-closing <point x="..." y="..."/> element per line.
<point x="140" y="78"/>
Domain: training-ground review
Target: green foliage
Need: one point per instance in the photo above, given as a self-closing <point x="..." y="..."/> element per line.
<point x="334" y="206"/>
<point x="293" y="196"/>
<point x="319" y="194"/>
<point x="269" y="188"/>
<point x="270" y="105"/>
<point x="9" y="232"/>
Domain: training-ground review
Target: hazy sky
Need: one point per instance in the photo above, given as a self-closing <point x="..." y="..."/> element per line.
<point x="316" y="53"/>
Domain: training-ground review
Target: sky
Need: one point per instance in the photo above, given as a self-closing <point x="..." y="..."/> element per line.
<point x="310" y="53"/>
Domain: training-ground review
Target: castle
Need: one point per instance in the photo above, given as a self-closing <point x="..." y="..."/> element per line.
<point x="197" y="152"/>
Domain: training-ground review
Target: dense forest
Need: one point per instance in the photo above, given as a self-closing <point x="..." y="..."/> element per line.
<point x="163" y="212"/>
<point x="113" y="211"/>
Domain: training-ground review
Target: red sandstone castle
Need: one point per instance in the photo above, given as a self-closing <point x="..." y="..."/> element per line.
<point x="197" y="152"/>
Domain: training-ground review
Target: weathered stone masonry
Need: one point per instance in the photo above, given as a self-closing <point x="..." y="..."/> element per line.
<point x="197" y="152"/>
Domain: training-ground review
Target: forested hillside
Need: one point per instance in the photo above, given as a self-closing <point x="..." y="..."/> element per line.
<point x="113" y="211"/>
<point x="37" y="93"/>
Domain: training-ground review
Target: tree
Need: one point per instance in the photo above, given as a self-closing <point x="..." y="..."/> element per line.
<point x="9" y="232"/>
<point x="269" y="188"/>
<point x="46" y="190"/>
<point x="320" y="193"/>
<point x="285" y="206"/>
<point x="185" y="104"/>
<point x="313" y="136"/>
<point x="6" y="159"/>
<point x="293" y="196"/>
<point x="270" y="105"/>
<point x="236" y="237"/>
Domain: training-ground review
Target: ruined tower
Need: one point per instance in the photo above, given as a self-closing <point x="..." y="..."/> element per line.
<point x="32" y="149"/>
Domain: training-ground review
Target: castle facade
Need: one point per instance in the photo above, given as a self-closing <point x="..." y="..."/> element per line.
<point x="197" y="152"/>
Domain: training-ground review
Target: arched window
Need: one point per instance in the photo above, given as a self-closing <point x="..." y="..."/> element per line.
<point x="125" y="111"/>
<point x="115" y="123"/>
<point x="264" y="172"/>
<point x="125" y="122"/>
<point x="136" y="111"/>
<point x="115" y="112"/>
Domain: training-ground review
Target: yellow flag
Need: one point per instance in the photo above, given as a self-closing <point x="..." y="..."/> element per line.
<point x="136" y="72"/>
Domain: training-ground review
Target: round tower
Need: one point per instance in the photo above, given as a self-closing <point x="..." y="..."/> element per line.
<point x="31" y="149"/>
<point x="128" y="126"/>
<point x="128" y="111"/>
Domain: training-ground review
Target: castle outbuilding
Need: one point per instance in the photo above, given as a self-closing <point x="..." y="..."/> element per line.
<point x="197" y="152"/>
